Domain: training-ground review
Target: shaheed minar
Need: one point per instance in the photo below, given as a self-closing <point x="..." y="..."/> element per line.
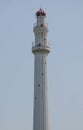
<point x="40" y="49"/>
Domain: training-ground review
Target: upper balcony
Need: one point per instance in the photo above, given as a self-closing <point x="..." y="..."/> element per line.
<point x="42" y="25"/>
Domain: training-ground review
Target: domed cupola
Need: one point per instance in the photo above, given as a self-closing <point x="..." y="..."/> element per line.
<point x="40" y="12"/>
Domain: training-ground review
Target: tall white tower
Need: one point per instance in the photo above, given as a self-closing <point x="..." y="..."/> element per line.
<point x="40" y="49"/>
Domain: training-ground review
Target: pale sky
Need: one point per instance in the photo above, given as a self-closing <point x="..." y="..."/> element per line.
<point x="65" y="63"/>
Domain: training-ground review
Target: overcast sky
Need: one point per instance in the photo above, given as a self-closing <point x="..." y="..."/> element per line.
<point x="65" y="63"/>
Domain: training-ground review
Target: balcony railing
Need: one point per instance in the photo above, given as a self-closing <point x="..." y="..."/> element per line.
<point x="44" y="24"/>
<point x="45" y="44"/>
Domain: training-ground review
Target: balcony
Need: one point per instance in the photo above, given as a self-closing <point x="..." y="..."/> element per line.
<point x="42" y="25"/>
<point x="41" y="48"/>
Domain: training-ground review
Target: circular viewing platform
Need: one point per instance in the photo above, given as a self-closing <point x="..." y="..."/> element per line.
<point x="42" y="25"/>
<point x="40" y="48"/>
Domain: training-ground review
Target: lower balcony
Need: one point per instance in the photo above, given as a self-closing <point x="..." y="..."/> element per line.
<point x="41" y="48"/>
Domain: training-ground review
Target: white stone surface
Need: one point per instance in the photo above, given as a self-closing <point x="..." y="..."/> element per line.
<point x="40" y="51"/>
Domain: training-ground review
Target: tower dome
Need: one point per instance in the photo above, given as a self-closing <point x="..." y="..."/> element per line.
<point x="40" y="12"/>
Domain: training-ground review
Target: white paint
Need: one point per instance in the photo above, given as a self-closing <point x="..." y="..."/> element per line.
<point x="40" y="51"/>
<point x="40" y="20"/>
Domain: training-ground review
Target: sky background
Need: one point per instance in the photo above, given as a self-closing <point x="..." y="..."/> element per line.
<point x="65" y="63"/>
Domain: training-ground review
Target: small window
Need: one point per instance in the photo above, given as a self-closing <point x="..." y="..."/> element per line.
<point x="38" y="85"/>
<point x="42" y="25"/>
<point x="35" y="98"/>
<point x="39" y="44"/>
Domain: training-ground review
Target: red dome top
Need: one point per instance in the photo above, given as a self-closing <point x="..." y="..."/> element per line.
<point x="40" y="13"/>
